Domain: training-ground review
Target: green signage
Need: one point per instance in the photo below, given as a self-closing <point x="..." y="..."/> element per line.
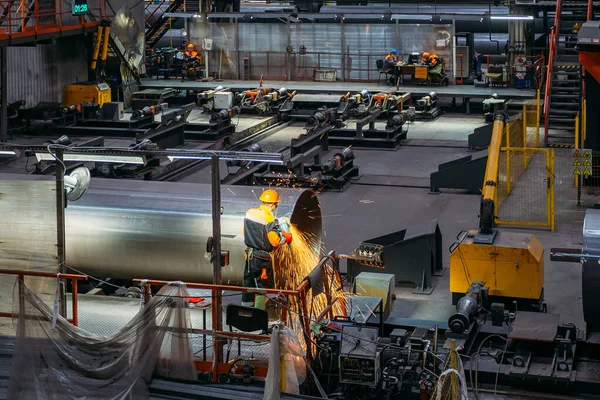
<point x="80" y="7"/>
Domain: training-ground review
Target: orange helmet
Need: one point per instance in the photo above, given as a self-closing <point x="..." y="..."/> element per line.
<point x="425" y="55"/>
<point x="190" y="46"/>
<point x="269" y="196"/>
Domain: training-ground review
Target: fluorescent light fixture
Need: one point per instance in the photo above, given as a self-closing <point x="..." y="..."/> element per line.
<point x="139" y="160"/>
<point x="225" y="15"/>
<point x="512" y="17"/>
<point x="271" y="15"/>
<point x="222" y="158"/>
<point x="415" y="17"/>
<point x="273" y="158"/>
<point x="7" y="153"/>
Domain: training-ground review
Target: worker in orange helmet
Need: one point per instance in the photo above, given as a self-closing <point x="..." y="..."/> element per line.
<point x="430" y="59"/>
<point x="262" y="235"/>
<point x="191" y="63"/>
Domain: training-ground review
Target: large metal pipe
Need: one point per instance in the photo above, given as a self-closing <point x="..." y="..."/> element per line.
<point x="157" y="230"/>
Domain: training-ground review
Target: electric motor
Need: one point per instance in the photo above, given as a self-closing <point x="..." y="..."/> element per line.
<point x="468" y="307"/>
<point x="396" y="120"/>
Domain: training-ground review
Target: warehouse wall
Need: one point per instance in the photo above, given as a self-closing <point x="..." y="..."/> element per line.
<point x="264" y="44"/>
<point x="39" y="73"/>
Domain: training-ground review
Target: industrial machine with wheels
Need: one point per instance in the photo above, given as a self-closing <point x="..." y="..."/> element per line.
<point x="262" y="100"/>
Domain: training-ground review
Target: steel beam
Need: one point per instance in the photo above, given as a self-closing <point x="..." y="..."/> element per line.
<point x="3" y="96"/>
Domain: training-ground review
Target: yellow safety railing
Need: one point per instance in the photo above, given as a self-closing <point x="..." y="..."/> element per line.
<point x="524" y="194"/>
<point x="580" y="132"/>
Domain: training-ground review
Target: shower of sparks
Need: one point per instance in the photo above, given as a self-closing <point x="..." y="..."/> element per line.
<point x="295" y="262"/>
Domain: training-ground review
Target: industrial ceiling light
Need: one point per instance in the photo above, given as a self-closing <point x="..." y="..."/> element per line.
<point x="7" y="153"/>
<point x="225" y="158"/>
<point x="413" y="17"/>
<point x="88" y="157"/>
<point x="512" y="17"/>
<point x="77" y="183"/>
<point x="256" y="156"/>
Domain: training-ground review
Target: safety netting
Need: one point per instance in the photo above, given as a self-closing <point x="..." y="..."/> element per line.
<point x="55" y="360"/>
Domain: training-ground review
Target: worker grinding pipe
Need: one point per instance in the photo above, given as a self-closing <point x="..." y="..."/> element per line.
<point x="389" y="64"/>
<point x="262" y="235"/>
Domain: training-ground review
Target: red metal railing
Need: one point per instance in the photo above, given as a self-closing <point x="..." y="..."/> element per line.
<point x="149" y="13"/>
<point x="74" y="280"/>
<point x="554" y="34"/>
<point x="21" y="19"/>
<point x="299" y="295"/>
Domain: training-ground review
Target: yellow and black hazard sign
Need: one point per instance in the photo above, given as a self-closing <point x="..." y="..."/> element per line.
<point x="587" y="154"/>
<point x="567" y="66"/>
<point x="582" y="157"/>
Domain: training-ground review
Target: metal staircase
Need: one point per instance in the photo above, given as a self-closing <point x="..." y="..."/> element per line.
<point x="156" y="23"/>
<point x="563" y="79"/>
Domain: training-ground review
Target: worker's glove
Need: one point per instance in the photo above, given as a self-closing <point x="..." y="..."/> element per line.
<point x="287" y="236"/>
<point x="284" y="223"/>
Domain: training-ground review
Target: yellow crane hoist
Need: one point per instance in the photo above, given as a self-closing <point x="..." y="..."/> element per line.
<point x="510" y="263"/>
<point x="93" y="92"/>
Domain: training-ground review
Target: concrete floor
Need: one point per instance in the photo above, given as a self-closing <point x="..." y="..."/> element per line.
<point x="348" y="219"/>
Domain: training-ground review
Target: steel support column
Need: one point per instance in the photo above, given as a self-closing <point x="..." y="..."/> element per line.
<point x="3" y="96"/>
<point x="237" y="48"/>
<point x="216" y="253"/>
<point x="60" y="228"/>
<point x="343" y="52"/>
<point x="288" y="66"/>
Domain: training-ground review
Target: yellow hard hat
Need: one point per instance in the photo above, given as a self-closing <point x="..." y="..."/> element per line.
<point x="190" y="46"/>
<point x="269" y="196"/>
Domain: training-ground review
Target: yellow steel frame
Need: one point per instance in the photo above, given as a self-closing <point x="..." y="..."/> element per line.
<point x="580" y="132"/>
<point x="502" y="141"/>
<point x="550" y="211"/>
<point x="491" y="169"/>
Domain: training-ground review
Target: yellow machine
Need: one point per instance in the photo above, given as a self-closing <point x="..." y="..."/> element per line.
<point x="86" y="92"/>
<point x="510" y="263"/>
<point x="92" y="92"/>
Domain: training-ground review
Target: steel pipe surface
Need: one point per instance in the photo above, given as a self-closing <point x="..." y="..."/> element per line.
<point x="157" y="230"/>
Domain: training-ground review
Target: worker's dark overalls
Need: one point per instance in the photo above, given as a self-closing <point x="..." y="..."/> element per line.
<point x="261" y="236"/>
<point x="258" y="272"/>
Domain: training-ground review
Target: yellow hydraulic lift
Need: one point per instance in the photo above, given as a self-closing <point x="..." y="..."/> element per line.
<point x="510" y="263"/>
<point x="96" y="92"/>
